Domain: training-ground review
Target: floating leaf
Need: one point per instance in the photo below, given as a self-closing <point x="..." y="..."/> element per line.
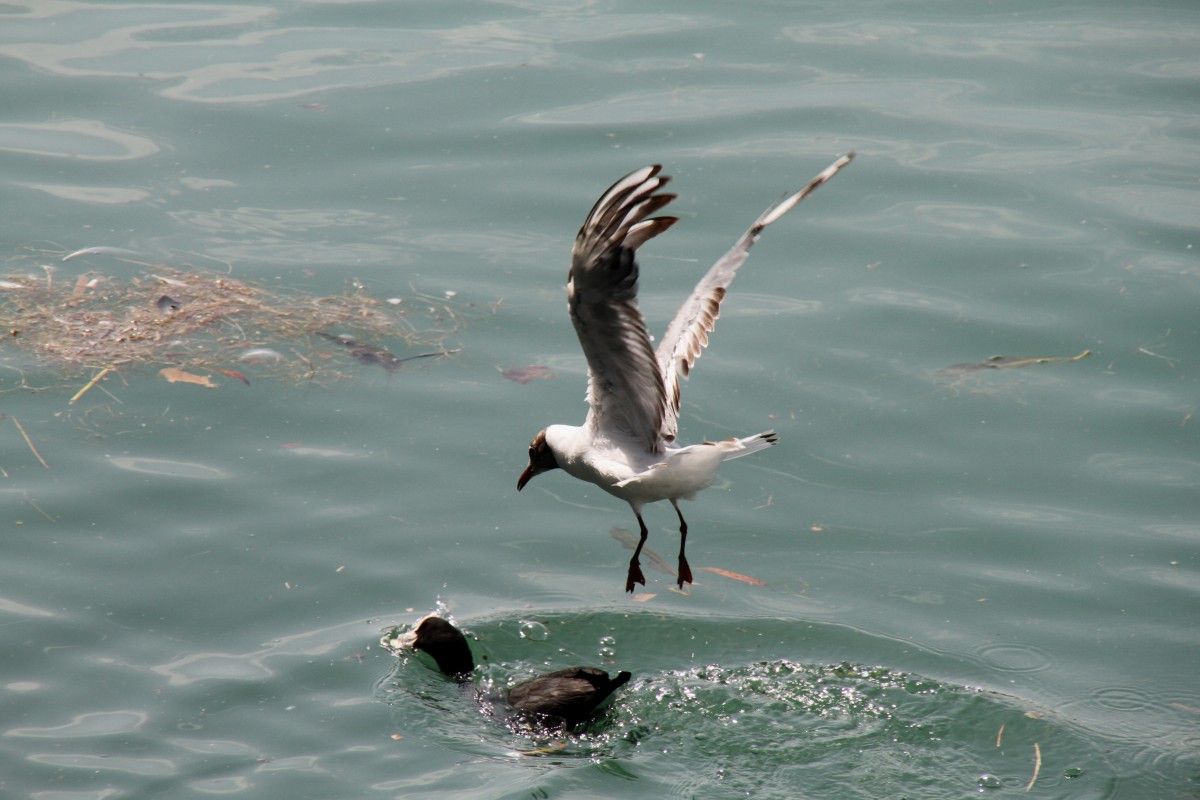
<point x="737" y="576"/>
<point x="174" y="375"/>
<point x="527" y="374"/>
<point x="233" y="373"/>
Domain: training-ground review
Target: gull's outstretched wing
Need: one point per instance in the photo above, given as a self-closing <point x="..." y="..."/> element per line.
<point x="626" y="391"/>
<point x="687" y="335"/>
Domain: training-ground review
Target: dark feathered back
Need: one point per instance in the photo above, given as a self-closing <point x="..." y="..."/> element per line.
<point x="571" y="694"/>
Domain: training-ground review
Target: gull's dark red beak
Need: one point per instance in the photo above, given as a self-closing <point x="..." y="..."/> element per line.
<point x="529" y="472"/>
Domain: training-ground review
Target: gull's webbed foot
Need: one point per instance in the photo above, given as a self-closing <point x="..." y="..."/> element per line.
<point x="685" y="571"/>
<point x="635" y="575"/>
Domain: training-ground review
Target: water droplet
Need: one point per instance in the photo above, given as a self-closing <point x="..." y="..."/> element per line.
<point x="988" y="781"/>
<point x="608" y="647"/>
<point x="534" y="631"/>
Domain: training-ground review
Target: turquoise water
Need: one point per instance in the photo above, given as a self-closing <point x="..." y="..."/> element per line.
<point x="953" y="576"/>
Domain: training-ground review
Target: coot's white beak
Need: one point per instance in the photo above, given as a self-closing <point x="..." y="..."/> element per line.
<point x="409" y="640"/>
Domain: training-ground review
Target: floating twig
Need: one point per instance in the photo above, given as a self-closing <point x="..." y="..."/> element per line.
<point x="1008" y="362"/>
<point x="100" y="251"/>
<point x="1037" y="765"/>
<point x="737" y="576"/>
<point x="95" y="379"/>
<point x="40" y="510"/>
<point x="999" y="734"/>
<point x="1145" y="349"/>
<point x="29" y="442"/>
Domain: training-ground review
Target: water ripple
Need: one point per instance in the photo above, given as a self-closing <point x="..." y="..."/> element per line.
<point x="907" y="299"/>
<point x="958" y="220"/>
<point x="1014" y="657"/>
<point x="232" y="54"/>
<point x="168" y="468"/>
<point x="1123" y="698"/>
<point x="247" y="666"/>
<point x="149" y="767"/>
<point x="78" y="139"/>
<point x="104" y="723"/>
<point x="749" y="722"/>
<point x="1160" y="205"/>
<point x="1155" y="734"/>
<point x="213" y="747"/>
<point x="1025" y="514"/>
<point x="226" y="785"/>
<point x="97" y="195"/>
<point x="1145" y="470"/>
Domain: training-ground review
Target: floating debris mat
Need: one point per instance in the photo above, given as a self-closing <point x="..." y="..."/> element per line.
<point x="181" y="321"/>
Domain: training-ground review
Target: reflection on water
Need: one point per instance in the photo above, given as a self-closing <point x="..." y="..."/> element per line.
<point x="231" y="54"/>
<point x="167" y="468"/>
<point x="98" y="724"/>
<point x="83" y="139"/>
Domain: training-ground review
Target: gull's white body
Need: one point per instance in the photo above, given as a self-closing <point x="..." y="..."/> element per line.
<point x="626" y="446"/>
<point x="627" y="471"/>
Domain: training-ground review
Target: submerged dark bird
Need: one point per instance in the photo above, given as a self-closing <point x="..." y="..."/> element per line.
<point x="627" y="446"/>
<point x="568" y="696"/>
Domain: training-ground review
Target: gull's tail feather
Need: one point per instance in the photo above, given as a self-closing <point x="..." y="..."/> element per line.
<point x="736" y="448"/>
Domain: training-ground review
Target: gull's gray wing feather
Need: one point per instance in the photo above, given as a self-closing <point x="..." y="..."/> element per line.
<point x="687" y="335"/>
<point x="626" y="391"/>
